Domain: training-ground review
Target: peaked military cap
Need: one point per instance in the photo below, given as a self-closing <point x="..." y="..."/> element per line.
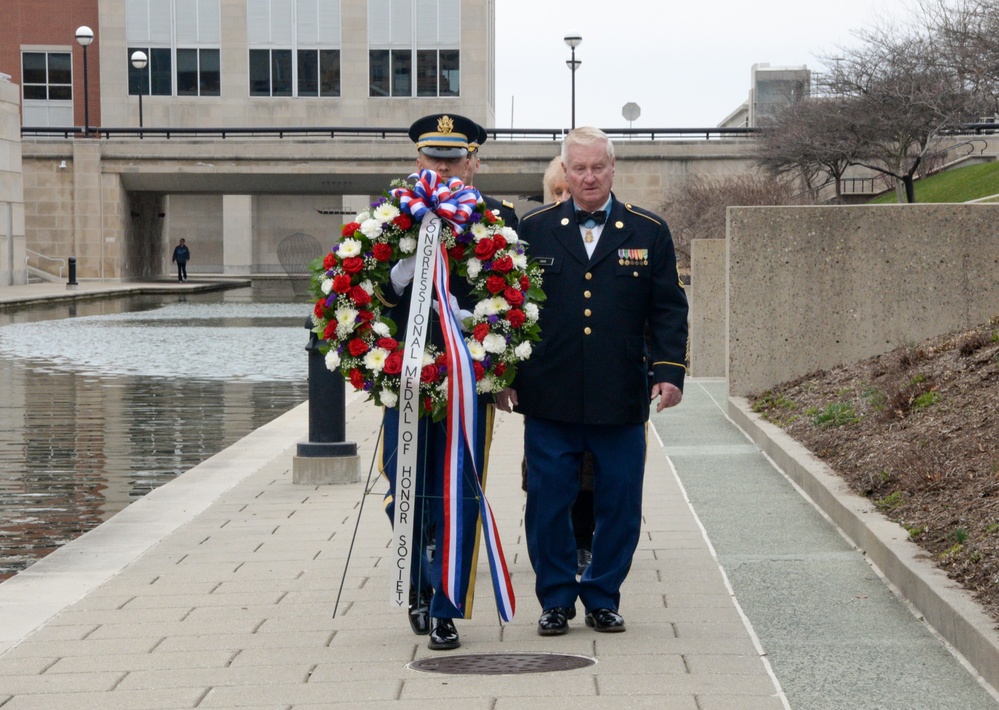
<point x="475" y="143"/>
<point x="443" y="135"/>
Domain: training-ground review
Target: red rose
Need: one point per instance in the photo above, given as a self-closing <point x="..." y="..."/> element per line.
<point x="441" y="360"/>
<point x="499" y="369"/>
<point x="428" y="405"/>
<point x="489" y="217"/>
<point x="500" y="241"/>
<point x="359" y="296"/>
<point x="328" y="261"/>
<point x="348" y="229"/>
<point x="381" y="251"/>
<point x="389" y="344"/>
<point x="357" y="379"/>
<point x="366" y="316"/>
<point x="319" y="309"/>
<point x="393" y="363"/>
<point x="484" y="250"/>
<point x="525" y="283"/>
<point x="353" y="264"/>
<point x="329" y="331"/>
<point x="513" y="296"/>
<point x="403" y="222"/>
<point x="457" y="252"/>
<point x="428" y="374"/>
<point x="341" y="283"/>
<point x="495" y="284"/>
<point x="357" y="347"/>
<point x="503" y="265"/>
<point x="480" y="371"/>
<point x="481" y="331"/>
<point x="516" y="317"/>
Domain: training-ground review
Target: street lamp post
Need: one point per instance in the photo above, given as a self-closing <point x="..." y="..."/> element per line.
<point x="85" y="35"/>
<point x="573" y="39"/>
<point x="139" y="61"/>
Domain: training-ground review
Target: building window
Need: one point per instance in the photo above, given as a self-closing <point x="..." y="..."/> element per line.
<point x="294" y="47"/>
<point x="153" y="79"/>
<point x="198" y="72"/>
<point x="319" y="72"/>
<point x="395" y="40"/>
<point x="47" y="76"/>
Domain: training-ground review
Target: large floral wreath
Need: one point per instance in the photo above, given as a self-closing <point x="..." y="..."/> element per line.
<point x="352" y="287"/>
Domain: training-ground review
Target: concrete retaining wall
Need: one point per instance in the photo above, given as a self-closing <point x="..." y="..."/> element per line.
<point x="810" y="288"/>
<point x="11" y="186"/>
<point x="706" y="295"/>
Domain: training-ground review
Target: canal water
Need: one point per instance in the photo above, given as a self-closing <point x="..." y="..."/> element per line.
<point x="103" y="401"/>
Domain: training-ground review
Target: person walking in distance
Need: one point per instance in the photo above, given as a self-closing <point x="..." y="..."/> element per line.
<point x="181" y="255"/>
<point x="609" y="273"/>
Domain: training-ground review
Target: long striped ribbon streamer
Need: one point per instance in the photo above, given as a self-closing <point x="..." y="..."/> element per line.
<point x="417" y="333"/>
<point x="461" y="428"/>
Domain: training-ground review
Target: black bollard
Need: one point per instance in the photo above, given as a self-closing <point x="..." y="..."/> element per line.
<point x="72" y="272"/>
<point x="327" y="409"/>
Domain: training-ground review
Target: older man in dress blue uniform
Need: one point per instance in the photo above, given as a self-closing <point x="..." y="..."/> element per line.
<point x="609" y="273"/>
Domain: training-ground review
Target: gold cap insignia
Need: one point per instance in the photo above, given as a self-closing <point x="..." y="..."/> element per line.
<point x="445" y="124"/>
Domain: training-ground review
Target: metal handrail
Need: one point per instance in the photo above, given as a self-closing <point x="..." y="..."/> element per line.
<point x="550" y="134"/>
<point x="30" y="254"/>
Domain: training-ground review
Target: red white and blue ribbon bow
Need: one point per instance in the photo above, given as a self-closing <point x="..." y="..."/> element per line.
<point x="449" y="199"/>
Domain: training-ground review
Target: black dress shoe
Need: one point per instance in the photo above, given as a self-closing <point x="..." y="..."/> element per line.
<point x="443" y="635"/>
<point x="419" y="611"/>
<point x="583" y="559"/>
<point x="605" y="620"/>
<point x="555" y="621"/>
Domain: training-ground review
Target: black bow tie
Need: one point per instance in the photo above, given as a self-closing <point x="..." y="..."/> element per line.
<point x="583" y="217"/>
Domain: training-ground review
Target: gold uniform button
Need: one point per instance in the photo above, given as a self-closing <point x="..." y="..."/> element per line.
<point x="587" y="331"/>
<point x="587" y="313"/>
<point x="565" y="221"/>
<point x="588" y="276"/>
<point x="634" y="273"/>
<point x="586" y="294"/>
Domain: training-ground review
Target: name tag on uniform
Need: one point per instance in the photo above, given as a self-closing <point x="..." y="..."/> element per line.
<point x="633" y="257"/>
<point x="546" y="260"/>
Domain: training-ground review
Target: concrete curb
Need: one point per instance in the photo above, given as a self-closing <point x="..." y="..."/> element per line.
<point x="949" y="609"/>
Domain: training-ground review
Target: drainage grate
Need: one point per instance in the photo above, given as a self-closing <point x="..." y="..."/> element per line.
<point x="501" y="663"/>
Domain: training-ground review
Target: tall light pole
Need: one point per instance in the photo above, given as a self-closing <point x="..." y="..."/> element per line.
<point x="85" y="35"/>
<point x="139" y="61"/>
<point x="573" y="39"/>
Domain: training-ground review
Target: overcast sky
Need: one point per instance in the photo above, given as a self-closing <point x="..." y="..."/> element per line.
<point x="686" y="64"/>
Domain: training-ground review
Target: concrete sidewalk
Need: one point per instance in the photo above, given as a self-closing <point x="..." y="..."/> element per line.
<point x="217" y="590"/>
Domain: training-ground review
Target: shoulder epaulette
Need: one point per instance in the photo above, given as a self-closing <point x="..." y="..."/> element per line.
<point x="507" y="204"/>
<point x="539" y="210"/>
<point x="643" y="213"/>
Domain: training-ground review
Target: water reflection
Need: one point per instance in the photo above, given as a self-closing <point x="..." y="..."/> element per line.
<point x="102" y="407"/>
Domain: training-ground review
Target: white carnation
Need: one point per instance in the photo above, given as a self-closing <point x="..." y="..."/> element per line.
<point x="374" y="359"/>
<point x="474" y="268"/>
<point x="349" y="247"/>
<point x="494" y="343"/>
<point x="407" y="245"/>
<point x="523" y="351"/>
<point x="381" y="329"/>
<point x="520" y="261"/>
<point x="345" y="316"/>
<point x="327" y="286"/>
<point x="371" y="228"/>
<point x="332" y="360"/>
<point x="428" y="358"/>
<point x="368" y="287"/>
<point x="510" y="235"/>
<point x="386" y="212"/>
<point x="362" y="217"/>
<point x="389" y="398"/>
<point x="476" y="350"/>
<point x="485" y="385"/>
<point x="531" y="311"/>
<point x="480" y="232"/>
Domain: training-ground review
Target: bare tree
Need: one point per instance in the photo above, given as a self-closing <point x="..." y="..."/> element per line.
<point x="809" y="140"/>
<point x="906" y="95"/>
<point x="697" y="209"/>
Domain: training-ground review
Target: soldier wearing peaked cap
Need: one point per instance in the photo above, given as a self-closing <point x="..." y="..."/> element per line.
<point x="504" y="208"/>
<point x="609" y="272"/>
<point x="442" y="142"/>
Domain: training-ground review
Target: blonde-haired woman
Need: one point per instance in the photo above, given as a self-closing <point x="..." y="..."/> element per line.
<point x="555" y="185"/>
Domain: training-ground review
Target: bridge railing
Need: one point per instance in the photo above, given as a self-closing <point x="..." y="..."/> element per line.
<point x="280" y="132"/>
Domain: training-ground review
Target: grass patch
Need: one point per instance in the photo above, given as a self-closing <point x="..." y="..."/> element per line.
<point x="926" y="399"/>
<point x="835" y="414"/>
<point x="890" y="502"/>
<point x="958" y="185"/>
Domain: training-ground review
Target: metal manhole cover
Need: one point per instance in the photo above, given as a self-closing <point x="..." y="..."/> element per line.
<point x="501" y="663"/>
